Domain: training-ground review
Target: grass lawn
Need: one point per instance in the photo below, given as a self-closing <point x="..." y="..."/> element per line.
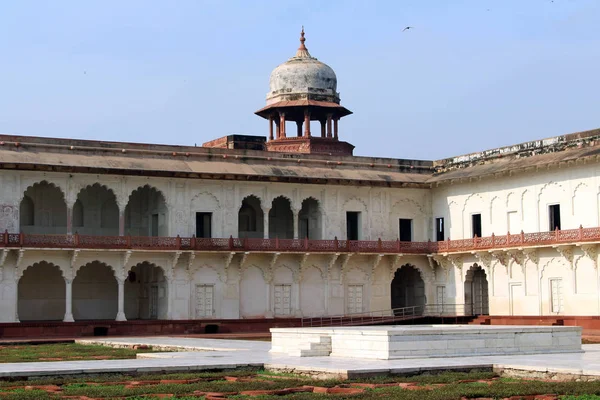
<point x="64" y="352"/>
<point x="236" y="383"/>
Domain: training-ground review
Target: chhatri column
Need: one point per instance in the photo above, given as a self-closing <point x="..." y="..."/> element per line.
<point x="270" y="127"/>
<point x="121" y="301"/>
<point x="299" y="128"/>
<point x="282" y="124"/>
<point x="306" y="123"/>
<point x="329" y="125"/>
<point x="322" y="128"/>
<point x="277" y="129"/>
<point x="68" y="301"/>
<point x="335" y="128"/>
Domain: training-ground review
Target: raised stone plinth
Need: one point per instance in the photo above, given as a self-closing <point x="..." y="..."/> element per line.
<point x="425" y="341"/>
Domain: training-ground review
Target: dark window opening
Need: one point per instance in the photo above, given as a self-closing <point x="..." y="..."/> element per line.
<point x="554" y="216"/>
<point x="405" y="230"/>
<point x="154" y="227"/>
<point x="476" y="224"/>
<point x="304" y="228"/>
<point x="352" y="225"/>
<point x="203" y="224"/>
<point x="439" y="229"/>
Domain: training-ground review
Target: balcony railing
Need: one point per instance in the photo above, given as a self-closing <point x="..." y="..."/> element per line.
<point x="76" y="241"/>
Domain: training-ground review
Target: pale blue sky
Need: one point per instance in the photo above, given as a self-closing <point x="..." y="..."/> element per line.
<point x="472" y="75"/>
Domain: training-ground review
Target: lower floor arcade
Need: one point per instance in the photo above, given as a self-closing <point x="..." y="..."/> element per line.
<point x="78" y="285"/>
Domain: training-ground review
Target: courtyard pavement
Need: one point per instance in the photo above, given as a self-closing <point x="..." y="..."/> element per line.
<point x="194" y="354"/>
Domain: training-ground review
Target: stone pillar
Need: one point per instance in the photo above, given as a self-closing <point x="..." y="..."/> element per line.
<point x="277" y="129"/>
<point x="306" y="123"/>
<point x="329" y="126"/>
<point x="122" y="222"/>
<point x="296" y="225"/>
<point x="266" y="222"/>
<point x="299" y="128"/>
<point x="322" y="128"/>
<point x="170" y="290"/>
<point x="68" y="300"/>
<point x="70" y="220"/>
<point x="17" y="299"/>
<point x="335" y="128"/>
<point x="121" y="302"/>
<point x="282" y="124"/>
<point x="270" y="127"/>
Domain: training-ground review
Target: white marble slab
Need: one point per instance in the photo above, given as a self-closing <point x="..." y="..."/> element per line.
<point x="421" y="341"/>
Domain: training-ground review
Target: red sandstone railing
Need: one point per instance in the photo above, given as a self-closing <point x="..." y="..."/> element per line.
<point x="19" y="240"/>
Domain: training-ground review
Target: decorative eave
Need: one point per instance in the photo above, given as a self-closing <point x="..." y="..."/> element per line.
<point x="336" y="109"/>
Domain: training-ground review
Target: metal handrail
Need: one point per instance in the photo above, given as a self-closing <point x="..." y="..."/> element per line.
<point x="389" y="315"/>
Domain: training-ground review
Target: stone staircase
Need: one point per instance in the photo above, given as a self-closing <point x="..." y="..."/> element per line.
<point x="313" y="345"/>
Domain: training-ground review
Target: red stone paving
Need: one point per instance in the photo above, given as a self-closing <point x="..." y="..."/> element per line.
<point x="339" y="390"/>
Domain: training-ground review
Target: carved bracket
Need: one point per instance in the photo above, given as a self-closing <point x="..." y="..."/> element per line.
<point x="332" y="261"/>
<point x="375" y="263"/>
<point x="591" y="251"/>
<point x="345" y="265"/>
<point x="3" y="256"/>
<point x="531" y="255"/>
<point x="303" y="264"/>
<point x="567" y="253"/>
<point x="227" y="264"/>
<point x="484" y="258"/>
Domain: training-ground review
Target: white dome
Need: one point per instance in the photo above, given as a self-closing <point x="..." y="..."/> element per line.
<point x="303" y="77"/>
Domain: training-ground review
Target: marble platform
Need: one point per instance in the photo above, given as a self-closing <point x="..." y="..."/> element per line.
<point x="423" y="341"/>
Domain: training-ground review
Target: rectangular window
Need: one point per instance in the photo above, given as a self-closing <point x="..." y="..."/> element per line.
<point x="440" y="297"/>
<point x="554" y="214"/>
<point x="353" y="225"/>
<point x="476" y="225"/>
<point x="405" y="228"/>
<point x="354" y="299"/>
<point x="439" y="229"/>
<point x="556" y="295"/>
<point x="203" y="225"/>
<point x="283" y="299"/>
<point x="513" y="222"/>
<point x="204" y="301"/>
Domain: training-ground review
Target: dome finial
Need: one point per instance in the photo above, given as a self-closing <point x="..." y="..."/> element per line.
<point x="302" y="50"/>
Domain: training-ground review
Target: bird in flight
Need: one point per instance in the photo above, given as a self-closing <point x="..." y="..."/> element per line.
<point x="407" y="28"/>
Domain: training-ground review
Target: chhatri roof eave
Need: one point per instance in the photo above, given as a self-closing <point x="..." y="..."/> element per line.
<point x="266" y="111"/>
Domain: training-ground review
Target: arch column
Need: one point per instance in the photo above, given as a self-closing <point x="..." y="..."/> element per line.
<point x="299" y="128"/>
<point x="121" y="300"/>
<point x="329" y="119"/>
<point x="281" y="124"/>
<point x="266" y="222"/>
<point x="296" y="223"/>
<point x="306" y="123"/>
<point x="69" y="219"/>
<point x="68" y="300"/>
<point x="335" y="128"/>
<point x="270" y="127"/>
<point x="16" y="315"/>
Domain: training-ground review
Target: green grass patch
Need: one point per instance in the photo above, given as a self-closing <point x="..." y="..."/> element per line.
<point x="64" y="352"/>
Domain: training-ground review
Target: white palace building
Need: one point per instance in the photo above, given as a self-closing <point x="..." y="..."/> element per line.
<point x="294" y="225"/>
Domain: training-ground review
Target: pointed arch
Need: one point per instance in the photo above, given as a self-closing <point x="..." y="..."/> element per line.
<point x="41" y="292"/>
<point x="251" y="218"/>
<point x="44" y="208"/>
<point x="146" y="292"/>
<point x="95" y="291"/>
<point x="476" y="291"/>
<point x="281" y="218"/>
<point x="146" y="213"/>
<point x="408" y="287"/>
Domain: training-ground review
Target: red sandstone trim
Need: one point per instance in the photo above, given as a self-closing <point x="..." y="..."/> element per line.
<point x="21" y="240"/>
